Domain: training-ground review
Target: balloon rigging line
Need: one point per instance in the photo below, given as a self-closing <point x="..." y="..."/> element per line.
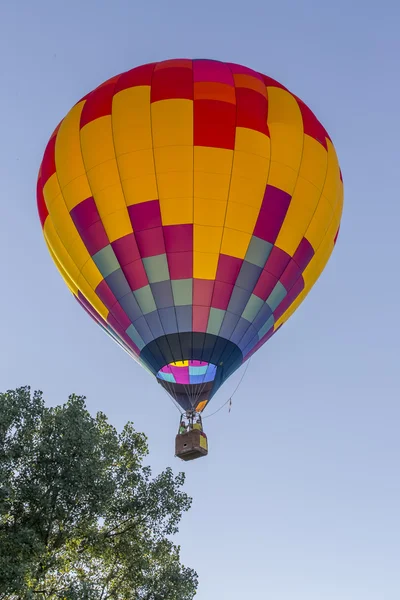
<point x="231" y="396"/>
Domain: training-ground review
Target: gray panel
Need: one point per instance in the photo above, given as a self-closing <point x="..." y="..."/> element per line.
<point x="262" y="317"/>
<point x="266" y="327"/>
<point x="182" y="290"/>
<point x="258" y="251"/>
<point x="154" y="322"/>
<point x="144" y="330"/>
<point x="248" y="276"/>
<point x="106" y="261"/>
<point x="118" y="284"/>
<point x="145" y="299"/>
<point x="162" y="292"/>
<point x="168" y="320"/>
<point x="156" y="268"/>
<point x="250" y="345"/>
<point x="248" y="336"/>
<point x="228" y="325"/>
<point x="184" y="318"/>
<point x="252" y="308"/>
<point x="238" y="301"/>
<point x="276" y="296"/>
<point x="130" y="306"/>
<point x="135" y="336"/>
<point x="240" y="330"/>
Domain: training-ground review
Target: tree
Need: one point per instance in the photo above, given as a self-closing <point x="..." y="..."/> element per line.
<point x="81" y="517"/>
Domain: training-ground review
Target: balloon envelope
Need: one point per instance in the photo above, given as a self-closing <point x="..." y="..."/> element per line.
<point x="190" y="206"/>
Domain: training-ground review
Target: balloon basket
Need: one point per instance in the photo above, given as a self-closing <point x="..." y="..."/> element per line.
<point x="191" y="445"/>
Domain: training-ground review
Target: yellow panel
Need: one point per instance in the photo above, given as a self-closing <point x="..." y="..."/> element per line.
<point x="252" y="142"/>
<point x="136" y="164"/>
<point x="63" y="222"/>
<point x="332" y="182"/>
<point x="172" y="122"/>
<point x="209" y="212"/>
<point x="51" y="190"/>
<point x="176" y="211"/>
<point x="282" y="177"/>
<point x="91" y="273"/>
<point x="249" y="165"/>
<point x="67" y="279"/>
<point x="68" y="152"/>
<point x="54" y="243"/>
<point x="92" y="298"/>
<point x="235" y="243"/>
<point x="173" y="158"/>
<point x="110" y="200"/>
<point x="131" y="120"/>
<point x="213" y="160"/>
<point x="175" y="184"/>
<point x="76" y="191"/>
<point x="140" y="189"/>
<point x="319" y="223"/>
<point x="205" y="265"/>
<point x="103" y="175"/>
<point x="97" y="142"/>
<point x="180" y="363"/>
<point x="78" y="253"/>
<point x="117" y="224"/>
<point x="241" y="217"/>
<point x="301" y="209"/>
<point x="211" y="185"/>
<point x="285" y="125"/>
<point x="207" y="239"/>
<point x="314" y="162"/>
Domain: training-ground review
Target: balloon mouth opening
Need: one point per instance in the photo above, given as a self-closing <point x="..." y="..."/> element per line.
<point x="188" y="372"/>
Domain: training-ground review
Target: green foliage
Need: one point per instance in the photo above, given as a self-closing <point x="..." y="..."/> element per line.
<point x="81" y="518"/>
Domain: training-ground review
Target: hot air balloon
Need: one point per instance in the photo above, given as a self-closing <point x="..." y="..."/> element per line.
<point x="190" y="206"/>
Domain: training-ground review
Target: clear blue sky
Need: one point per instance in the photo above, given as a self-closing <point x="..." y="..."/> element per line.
<point x="299" y="498"/>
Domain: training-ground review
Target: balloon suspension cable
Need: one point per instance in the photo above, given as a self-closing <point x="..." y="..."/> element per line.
<point x="231" y="396"/>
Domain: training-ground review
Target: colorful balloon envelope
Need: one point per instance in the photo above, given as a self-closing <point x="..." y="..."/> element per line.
<point x="190" y="206"/>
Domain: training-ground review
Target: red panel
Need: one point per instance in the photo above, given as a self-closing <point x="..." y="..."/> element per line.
<point x="150" y="242"/>
<point x="337" y="235"/>
<point x="221" y="295"/>
<point x="277" y="262"/>
<point x="98" y="103"/>
<point x="252" y="110"/>
<point x="41" y="204"/>
<point x="174" y="63"/>
<point x="290" y="275"/>
<point x="265" y="284"/>
<point x="126" y="249"/>
<point x="269" y="82"/>
<point x="303" y="254"/>
<point x="85" y="214"/>
<point x="180" y="265"/>
<point x="118" y="312"/>
<point x="94" y="238"/>
<point x="202" y="292"/>
<point x="200" y="318"/>
<point x="178" y="238"/>
<point x="290" y="298"/>
<point x="105" y="294"/>
<point x="228" y="268"/>
<point x="311" y="125"/>
<point x="172" y="83"/>
<point x="272" y="214"/>
<point x="139" y="76"/>
<point x="135" y="275"/>
<point x="145" y="215"/>
<point x="48" y="167"/>
<point x="214" y="124"/>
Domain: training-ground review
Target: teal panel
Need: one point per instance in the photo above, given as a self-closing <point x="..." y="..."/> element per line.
<point x="135" y="337"/>
<point x="182" y="290"/>
<point x="156" y="268"/>
<point x="106" y="261"/>
<point x="265" y="328"/>
<point x="258" y="251"/>
<point x="215" y="319"/>
<point x="145" y="299"/>
<point x="252" y="308"/>
<point x="276" y="296"/>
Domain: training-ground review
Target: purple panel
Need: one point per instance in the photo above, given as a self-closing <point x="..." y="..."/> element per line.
<point x="248" y="276"/>
<point x="131" y="307"/>
<point x="105" y="294"/>
<point x="85" y="214"/>
<point x="118" y="312"/>
<point x="228" y="325"/>
<point x="136" y="275"/>
<point x="250" y="334"/>
<point x="168" y="320"/>
<point x="150" y="242"/>
<point x="303" y="254"/>
<point x="126" y="249"/>
<point x="239" y="331"/>
<point x="94" y="238"/>
<point x="145" y="215"/>
<point x="277" y="262"/>
<point x="212" y="70"/>
<point x="228" y="268"/>
<point x="262" y="317"/>
<point x="118" y="283"/>
<point x="265" y="285"/>
<point x="272" y="213"/>
<point x="144" y="330"/>
<point x="250" y="345"/>
<point x="154" y="322"/>
<point x="162" y="292"/>
<point x="238" y="301"/>
<point x="290" y="275"/>
<point x="178" y="238"/>
<point x="221" y="295"/>
<point x="184" y="318"/>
